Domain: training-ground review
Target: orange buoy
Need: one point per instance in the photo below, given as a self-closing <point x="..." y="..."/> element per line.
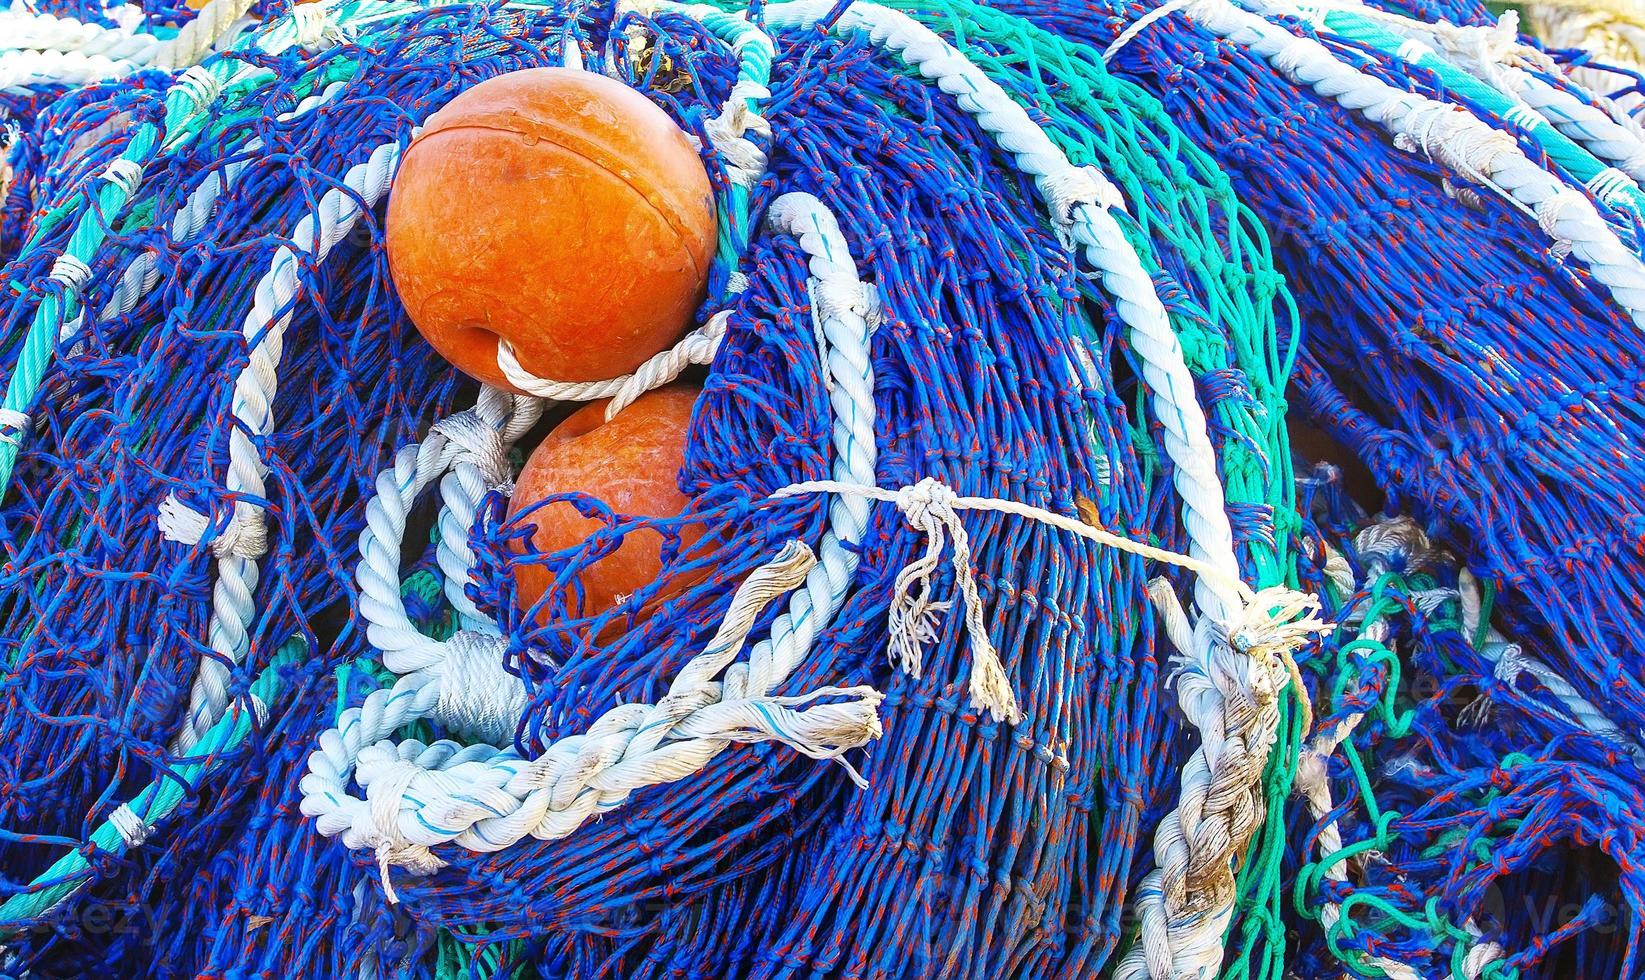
<point x="559" y="209"/>
<point x="632" y="463"/>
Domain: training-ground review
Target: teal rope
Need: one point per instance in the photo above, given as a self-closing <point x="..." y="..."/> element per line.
<point x="1563" y="150"/>
<point x="157" y="801"/>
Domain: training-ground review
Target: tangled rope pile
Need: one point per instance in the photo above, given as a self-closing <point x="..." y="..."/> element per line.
<point x="986" y="644"/>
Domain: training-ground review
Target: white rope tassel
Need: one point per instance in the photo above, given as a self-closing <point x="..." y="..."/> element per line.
<point x="929" y="507"/>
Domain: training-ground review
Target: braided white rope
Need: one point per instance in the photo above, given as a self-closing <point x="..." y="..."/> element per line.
<point x="1079" y="200"/>
<point x="194" y="40"/>
<point x="21" y="30"/>
<point x="484" y="798"/>
<point x="468" y="454"/>
<point x="844" y="309"/>
<point x="1141" y="24"/>
<point x="1618" y="145"/>
<point x="746" y="164"/>
<point x="1448" y="135"/>
<point x="697" y="347"/>
<point x="242" y="538"/>
<point x="1386" y="543"/>
<point x="24" y="69"/>
<point x="1186" y="906"/>
<point x="1495" y="55"/>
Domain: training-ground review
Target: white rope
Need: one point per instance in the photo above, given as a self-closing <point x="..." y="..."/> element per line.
<point x="14" y="425"/>
<point x="24" y="31"/>
<point x="1495" y="55"/>
<point x="1141" y="24"/>
<point x="1451" y="137"/>
<point x="243" y="533"/>
<point x="1196" y="846"/>
<point x="142" y="274"/>
<point x="484" y="798"/>
<point x="697" y="347"/>
<point x="26" y="69"/>
<point x="1382" y="546"/>
<point x="1511" y="662"/>
<point x="195" y="39"/>
<point x="933" y="508"/>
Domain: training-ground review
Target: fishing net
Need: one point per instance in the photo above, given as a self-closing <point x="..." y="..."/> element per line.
<point x="223" y="423"/>
<point x="1466" y="402"/>
<point x="1457" y="760"/>
<point x="976" y="651"/>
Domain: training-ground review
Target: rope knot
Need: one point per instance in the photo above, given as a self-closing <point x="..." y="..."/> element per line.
<point x="1551" y="212"/>
<point x="243" y="535"/>
<point x="380" y="830"/>
<point x="479" y="441"/>
<point x="125" y="174"/>
<point x="314" y="25"/>
<point x="200" y="86"/>
<point x="1612" y="186"/>
<point x="831" y="298"/>
<point x="1068" y="189"/>
<point x="71" y="272"/>
<point x="930" y="506"/>
<point x="478" y="696"/>
<point x="134" y="830"/>
<point x="929" y="499"/>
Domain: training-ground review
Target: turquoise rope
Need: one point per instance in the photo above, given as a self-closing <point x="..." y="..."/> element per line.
<point x="754" y="52"/>
<point x="157" y="801"/>
<point x="1563" y="150"/>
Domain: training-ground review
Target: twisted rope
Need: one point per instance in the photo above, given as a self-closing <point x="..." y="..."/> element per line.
<point x="240" y="540"/>
<point x="195" y="39"/>
<point x="23" y="69"/>
<point x="1183" y="929"/>
<point x="1448" y="135"/>
<point x="23" y="31"/>
<point x="491" y="799"/>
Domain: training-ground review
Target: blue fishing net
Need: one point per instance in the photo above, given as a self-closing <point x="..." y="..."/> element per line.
<point x="1451" y="349"/>
<point x="1001" y="367"/>
<point x="158" y="810"/>
<point x="1464" y="770"/>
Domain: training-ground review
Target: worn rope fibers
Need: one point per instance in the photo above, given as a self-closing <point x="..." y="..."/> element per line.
<point x="967" y="354"/>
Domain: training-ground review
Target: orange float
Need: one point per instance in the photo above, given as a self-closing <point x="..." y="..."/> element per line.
<point x="559" y="209"/>
<point x="632" y="463"/>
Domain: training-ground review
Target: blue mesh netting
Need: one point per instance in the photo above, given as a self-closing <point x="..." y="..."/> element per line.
<point x="999" y="369"/>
